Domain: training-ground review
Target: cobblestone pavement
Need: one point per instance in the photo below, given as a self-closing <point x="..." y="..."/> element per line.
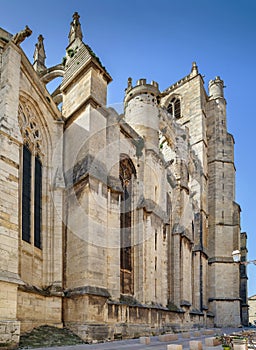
<point x="154" y="343"/>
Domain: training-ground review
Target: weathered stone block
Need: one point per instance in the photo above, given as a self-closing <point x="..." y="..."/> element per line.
<point x="9" y="334"/>
<point x="172" y="337"/>
<point x="174" y="347"/>
<point x="195" y="345"/>
<point x="167" y="337"/>
<point x="197" y="334"/>
<point x="185" y="335"/>
<point x="239" y="345"/>
<point x="212" y="341"/>
<point x="207" y="332"/>
<point x="145" y="340"/>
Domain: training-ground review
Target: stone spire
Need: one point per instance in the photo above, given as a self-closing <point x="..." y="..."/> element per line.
<point x="129" y="85"/>
<point x="194" y="69"/>
<point x="75" y="29"/>
<point x="39" y="55"/>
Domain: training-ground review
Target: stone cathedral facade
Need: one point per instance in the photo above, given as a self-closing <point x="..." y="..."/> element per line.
<point x="114" y="225"/>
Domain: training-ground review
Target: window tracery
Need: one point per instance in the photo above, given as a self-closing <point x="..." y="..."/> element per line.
<point x="31" y="197"/>
<point x="30" y="129"/>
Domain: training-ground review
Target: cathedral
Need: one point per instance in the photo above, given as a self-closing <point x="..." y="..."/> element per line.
<point x="113" y="225"/>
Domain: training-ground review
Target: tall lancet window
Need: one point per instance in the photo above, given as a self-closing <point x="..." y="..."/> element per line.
<point x="127" y="173"/>
<point x="26" y="194"/>
<point x="31" y="198"/>
<point x="37" y="202"/>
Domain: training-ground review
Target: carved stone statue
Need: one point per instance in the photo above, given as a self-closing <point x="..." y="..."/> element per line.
<point x="21" y="36"/>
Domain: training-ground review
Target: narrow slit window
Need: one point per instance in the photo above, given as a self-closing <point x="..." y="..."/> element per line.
<point x="26" y="194"/>
<point x="37" y="203"/>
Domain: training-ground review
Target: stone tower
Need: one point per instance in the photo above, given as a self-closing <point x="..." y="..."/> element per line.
<point x="90" y="270"/>
<point x="141" y="111"/>
<point x="185" y="101"/>
<point x="224" y="213"/>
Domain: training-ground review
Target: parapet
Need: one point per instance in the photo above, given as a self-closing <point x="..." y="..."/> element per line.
<point x="141" y="87"/>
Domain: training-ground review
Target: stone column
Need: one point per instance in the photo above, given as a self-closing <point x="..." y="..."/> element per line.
<point x="10" y="140"/>
<point x="55" y="261"/>
<point x="176" y="268"/>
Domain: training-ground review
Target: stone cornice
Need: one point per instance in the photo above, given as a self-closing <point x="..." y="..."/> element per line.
<point x="224" y="299"/>
<point x="221" y="259"/>
<point x="179" y="83"/>
<point x="10" y="277"/>
<point x="151" y="207"/>
<point x="84" y="290"/>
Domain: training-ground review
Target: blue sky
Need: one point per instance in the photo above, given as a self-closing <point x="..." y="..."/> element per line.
<point x="159" y="40"/>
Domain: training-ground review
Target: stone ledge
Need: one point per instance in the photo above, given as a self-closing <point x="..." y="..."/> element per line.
<point x="185" y="303"/>
<point x="50" y="291"/>
<point x="196" y="312"/>
<point x="87" y="290"/>
<point x="224" y="299"/>
<point x="10" y="277"/>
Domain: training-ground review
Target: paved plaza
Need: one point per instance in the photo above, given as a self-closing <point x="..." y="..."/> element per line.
<point x="154" y="342"/>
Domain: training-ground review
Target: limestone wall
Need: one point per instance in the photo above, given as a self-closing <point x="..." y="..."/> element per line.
<point x="226" y="313"/>
<point x="9" y="334"/>
<point x="100" y="319"/>
<point x="35" y="310"/>
<point x="252" y="309"/>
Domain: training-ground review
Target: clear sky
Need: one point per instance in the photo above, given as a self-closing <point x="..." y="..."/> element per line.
<point x="159" y="40"/>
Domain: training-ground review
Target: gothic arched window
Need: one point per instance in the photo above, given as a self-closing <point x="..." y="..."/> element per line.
<point x="174" y="107"/>
<point x="31" y="198"/>
<point x="126" y="173"/>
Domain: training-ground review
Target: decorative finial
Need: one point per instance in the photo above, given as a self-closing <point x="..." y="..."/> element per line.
<point x="75" y="29"/>
<point x="194" y="69"/>
<point x="21" y="36"/>
<point x="129" y="85"/>
<point x="129" y="82"/>
<point x="39" y="55"/>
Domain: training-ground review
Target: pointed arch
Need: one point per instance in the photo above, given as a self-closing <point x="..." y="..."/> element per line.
<point x="35" y="148"/>
<point x="29" y="111"/>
